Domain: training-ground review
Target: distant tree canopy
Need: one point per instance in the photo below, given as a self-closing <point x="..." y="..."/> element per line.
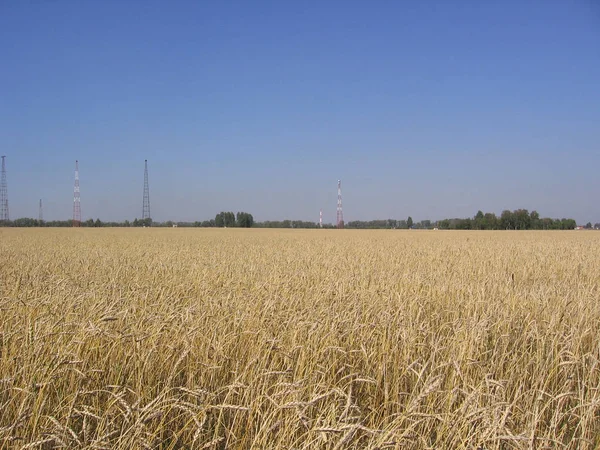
<point x="27" y="222"/>
<point x="376" y="224"/>
<point x="290" y="224"/>
<point x="520" y="219"/>
<point x="225" y="219"/>
<point x="228" y="219"/>
<point x="244" y="220"/>
<point x="147" y="222"/>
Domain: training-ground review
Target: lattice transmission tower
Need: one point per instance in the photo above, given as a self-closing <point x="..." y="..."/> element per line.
<point x="146" y="206"/>
<point x="41" y="212"/>
<point x="4" y="216"/>
<point x="76" y="199"/>
<point x="340" y="211"/>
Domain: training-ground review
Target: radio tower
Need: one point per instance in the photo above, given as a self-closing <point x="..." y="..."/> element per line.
<point x="76" y="199"/>
<point x="4" y="194"/>
<point x="340" y="212"/>
<point x="146" y="207"/>
<point x="321" y="218"/>
<point x="41" y="213"/>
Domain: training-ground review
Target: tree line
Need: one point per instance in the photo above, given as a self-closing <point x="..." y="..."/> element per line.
<point x="90" y="223"/>
<point x="519" y="219"/>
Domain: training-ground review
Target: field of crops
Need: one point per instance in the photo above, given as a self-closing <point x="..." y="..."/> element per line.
<point x="329" y="339"/>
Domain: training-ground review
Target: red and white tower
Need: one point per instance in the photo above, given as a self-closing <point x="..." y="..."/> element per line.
<point x="76" y="199"/>
<point x="340" y="212"/>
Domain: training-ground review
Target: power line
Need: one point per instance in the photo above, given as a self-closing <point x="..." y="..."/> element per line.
<point x="146" y="206"/>
<point x="4" y="216"/>
<point x="76" y="199"/>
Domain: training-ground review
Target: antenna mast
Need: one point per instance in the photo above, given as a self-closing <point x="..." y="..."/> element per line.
<point x="146" y="206"/>
<point x="4" y="194"/>
<point x="321" y="218"/>
<point x="340" y="212"/>
<point x="76" y="199"/>
<point x="41" y="213"/>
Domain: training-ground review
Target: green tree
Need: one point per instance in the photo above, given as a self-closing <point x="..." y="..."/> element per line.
<point x="225" y="219"/>
<point x="546" y="223"/>
<point x="444" y="224"/>
<point x="409" y="222"/>
<point x="244" y="220"/>
<point x="535" y="222"/>
<point x="507" y="220"/>
<point x="522" y="219"/>
<point x="229" y="219"/>
<point x="464" y="224"/>
<point x="24" y="222"/>
<point x="567" y="224"/>
<point x="491" y="221"/>
<point x="479" y="221"/>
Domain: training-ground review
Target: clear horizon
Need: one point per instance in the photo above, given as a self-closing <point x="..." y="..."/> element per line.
<point x="434" y="110"/>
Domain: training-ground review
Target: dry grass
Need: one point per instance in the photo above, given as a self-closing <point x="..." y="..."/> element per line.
<point x="162" y="338"/>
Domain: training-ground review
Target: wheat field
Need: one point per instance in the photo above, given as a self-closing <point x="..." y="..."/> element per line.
<point x="288" y="339"/>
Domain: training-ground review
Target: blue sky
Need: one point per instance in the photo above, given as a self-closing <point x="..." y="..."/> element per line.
<point x="431" y="109"/>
